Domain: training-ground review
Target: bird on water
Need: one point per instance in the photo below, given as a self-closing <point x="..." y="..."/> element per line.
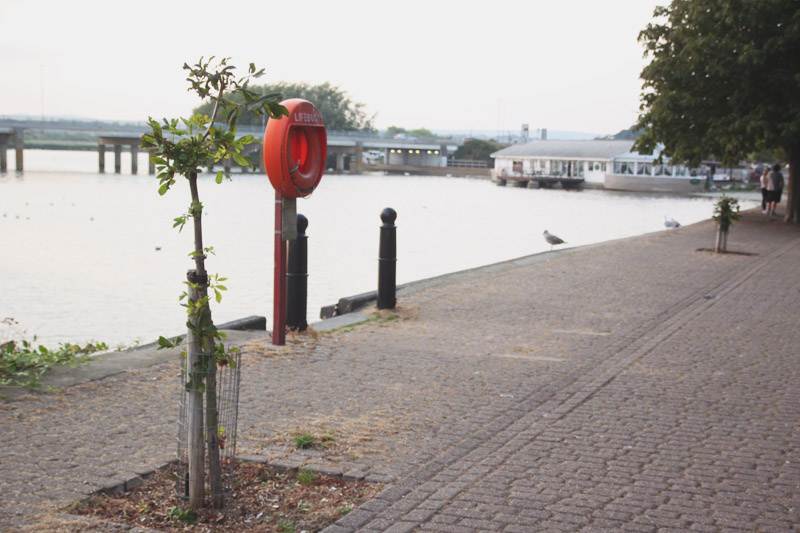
<point x="552" y="239"/>
<point x="671" y="222"/>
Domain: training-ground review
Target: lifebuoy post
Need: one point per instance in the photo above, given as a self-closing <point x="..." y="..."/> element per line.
<point x="295" y="150"/>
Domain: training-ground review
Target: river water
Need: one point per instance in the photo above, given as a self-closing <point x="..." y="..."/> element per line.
<point x="94" y="256"/>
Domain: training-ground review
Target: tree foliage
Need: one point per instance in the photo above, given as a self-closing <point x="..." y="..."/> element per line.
<point x="338" y="111"/>
<point x="417" y="133"/>
<point x="477" y="149"/>
<point x="723" y="81"/>
<point x="391" y="131"/>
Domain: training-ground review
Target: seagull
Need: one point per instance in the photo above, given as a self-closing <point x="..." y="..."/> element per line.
<point x="552" y="239"/>
<point x="671" y="222"/>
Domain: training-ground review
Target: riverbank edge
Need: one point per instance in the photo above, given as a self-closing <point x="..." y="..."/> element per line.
<point x="352" y="309"/>
<point x="249" y="329"/>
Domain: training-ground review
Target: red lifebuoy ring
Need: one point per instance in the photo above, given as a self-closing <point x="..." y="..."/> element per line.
<point x="295" y="149"/>
<point x="305" y="159"/>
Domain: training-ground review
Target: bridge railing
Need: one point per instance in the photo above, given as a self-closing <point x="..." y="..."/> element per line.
<point x="467" y="163"/>
<point x="140" y="127"/>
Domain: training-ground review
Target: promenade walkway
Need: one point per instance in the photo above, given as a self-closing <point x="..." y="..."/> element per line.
<point x="639" y="385"/>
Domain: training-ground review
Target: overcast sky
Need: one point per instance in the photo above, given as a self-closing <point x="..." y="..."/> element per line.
<point x="443" y="65"/>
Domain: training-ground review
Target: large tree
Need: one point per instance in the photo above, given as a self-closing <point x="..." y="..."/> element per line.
<point x="724" y="81"/>
<point x="338" y="111"/>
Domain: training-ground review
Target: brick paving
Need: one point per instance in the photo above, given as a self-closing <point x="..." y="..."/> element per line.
<point x="641" y="385"/>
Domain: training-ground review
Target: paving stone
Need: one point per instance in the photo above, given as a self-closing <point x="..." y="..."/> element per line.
<point x="638" y="385"/>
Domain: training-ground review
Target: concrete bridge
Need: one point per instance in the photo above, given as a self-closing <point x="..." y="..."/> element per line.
<point x="428" y="156"/>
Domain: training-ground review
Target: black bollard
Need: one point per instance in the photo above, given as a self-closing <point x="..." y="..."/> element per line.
<point x="387" y="261"/>
<point x="297" y="278"/>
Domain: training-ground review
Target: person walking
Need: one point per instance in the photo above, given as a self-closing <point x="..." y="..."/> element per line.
<point x="763" y="180"/>
<point x="774" y="188"/>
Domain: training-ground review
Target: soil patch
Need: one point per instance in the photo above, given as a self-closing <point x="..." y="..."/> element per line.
<point x="263" y="500"/>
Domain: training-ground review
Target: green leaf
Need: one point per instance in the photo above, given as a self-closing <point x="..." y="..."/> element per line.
<point x="164" y="343"/>
<point x="163" y="189"/>
<point x="220" y="176"/>
<point x="240" y="159"/>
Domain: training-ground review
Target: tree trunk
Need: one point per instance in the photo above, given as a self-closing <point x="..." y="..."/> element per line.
<point x="721" y="244"/>
<point x="194" y="408"/>
<point x="212" y="427"/>
<point x="793" y="186"/>
<point x="202" y="324"/>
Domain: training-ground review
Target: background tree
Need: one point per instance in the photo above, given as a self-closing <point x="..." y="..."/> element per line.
<point x="338" y="111"/>
<point x="724" y="81"/>
<point x="391" y="131"/>
<point x="418" y="133"/>
<point x="478" y="150"/>
<point x="421" y="133"/>
<point x="183" y="148"/>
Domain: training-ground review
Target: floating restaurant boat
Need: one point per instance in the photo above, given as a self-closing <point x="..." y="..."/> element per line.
<point x="606" y="164"/>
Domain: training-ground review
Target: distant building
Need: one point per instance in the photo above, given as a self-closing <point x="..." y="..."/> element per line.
<point x="609" y="164"/>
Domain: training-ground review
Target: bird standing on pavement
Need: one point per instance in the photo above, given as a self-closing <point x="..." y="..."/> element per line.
<point x="671" y="222"/>
<point x="552" y="239"/>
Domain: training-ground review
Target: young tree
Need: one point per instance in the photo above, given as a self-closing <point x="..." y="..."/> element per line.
<point x="183" y="148"/>
<point x="724" y="81"/>
<point x="726" y="212"/>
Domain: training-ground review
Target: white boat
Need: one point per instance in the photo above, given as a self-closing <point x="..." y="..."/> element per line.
<point x="607" y="164"/>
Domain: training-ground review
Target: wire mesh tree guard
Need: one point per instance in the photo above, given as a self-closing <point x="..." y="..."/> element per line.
<point x="194" y="419"/>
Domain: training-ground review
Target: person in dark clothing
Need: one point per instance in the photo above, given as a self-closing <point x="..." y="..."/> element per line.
<point x="774" y="188"/>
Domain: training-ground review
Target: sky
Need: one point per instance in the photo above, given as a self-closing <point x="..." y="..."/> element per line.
<point x="570" y="65"/>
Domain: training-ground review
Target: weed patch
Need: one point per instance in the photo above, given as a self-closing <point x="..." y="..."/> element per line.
<point x="23" y="362"/>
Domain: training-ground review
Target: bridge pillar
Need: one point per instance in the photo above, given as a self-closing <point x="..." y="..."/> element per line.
<point x="117" y="159"/>
<point x="4" y="151"/>
<point x="339" y="162"/>
<point x="19" y="144"/>
<point x="101" y="152"/>
<point x="358" y="158"/>
<point x="134" y="157"/>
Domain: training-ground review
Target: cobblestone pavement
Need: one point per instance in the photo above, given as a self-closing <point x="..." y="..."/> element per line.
<point x="642" y="385"/>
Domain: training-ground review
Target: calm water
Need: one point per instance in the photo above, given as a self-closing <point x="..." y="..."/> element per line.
<point x="79" y="257"/>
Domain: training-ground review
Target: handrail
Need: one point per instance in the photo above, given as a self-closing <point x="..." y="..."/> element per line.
<point x="466" y="163"/>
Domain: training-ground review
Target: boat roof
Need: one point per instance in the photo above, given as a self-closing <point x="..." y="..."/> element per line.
<point x="592" y="149"/>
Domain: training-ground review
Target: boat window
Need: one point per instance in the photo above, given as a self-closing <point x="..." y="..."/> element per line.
<point x="644" y="169"/>
<point x="663" y="170"/>
<point x="623" y="167"/>
<point x="516" y="166"/>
